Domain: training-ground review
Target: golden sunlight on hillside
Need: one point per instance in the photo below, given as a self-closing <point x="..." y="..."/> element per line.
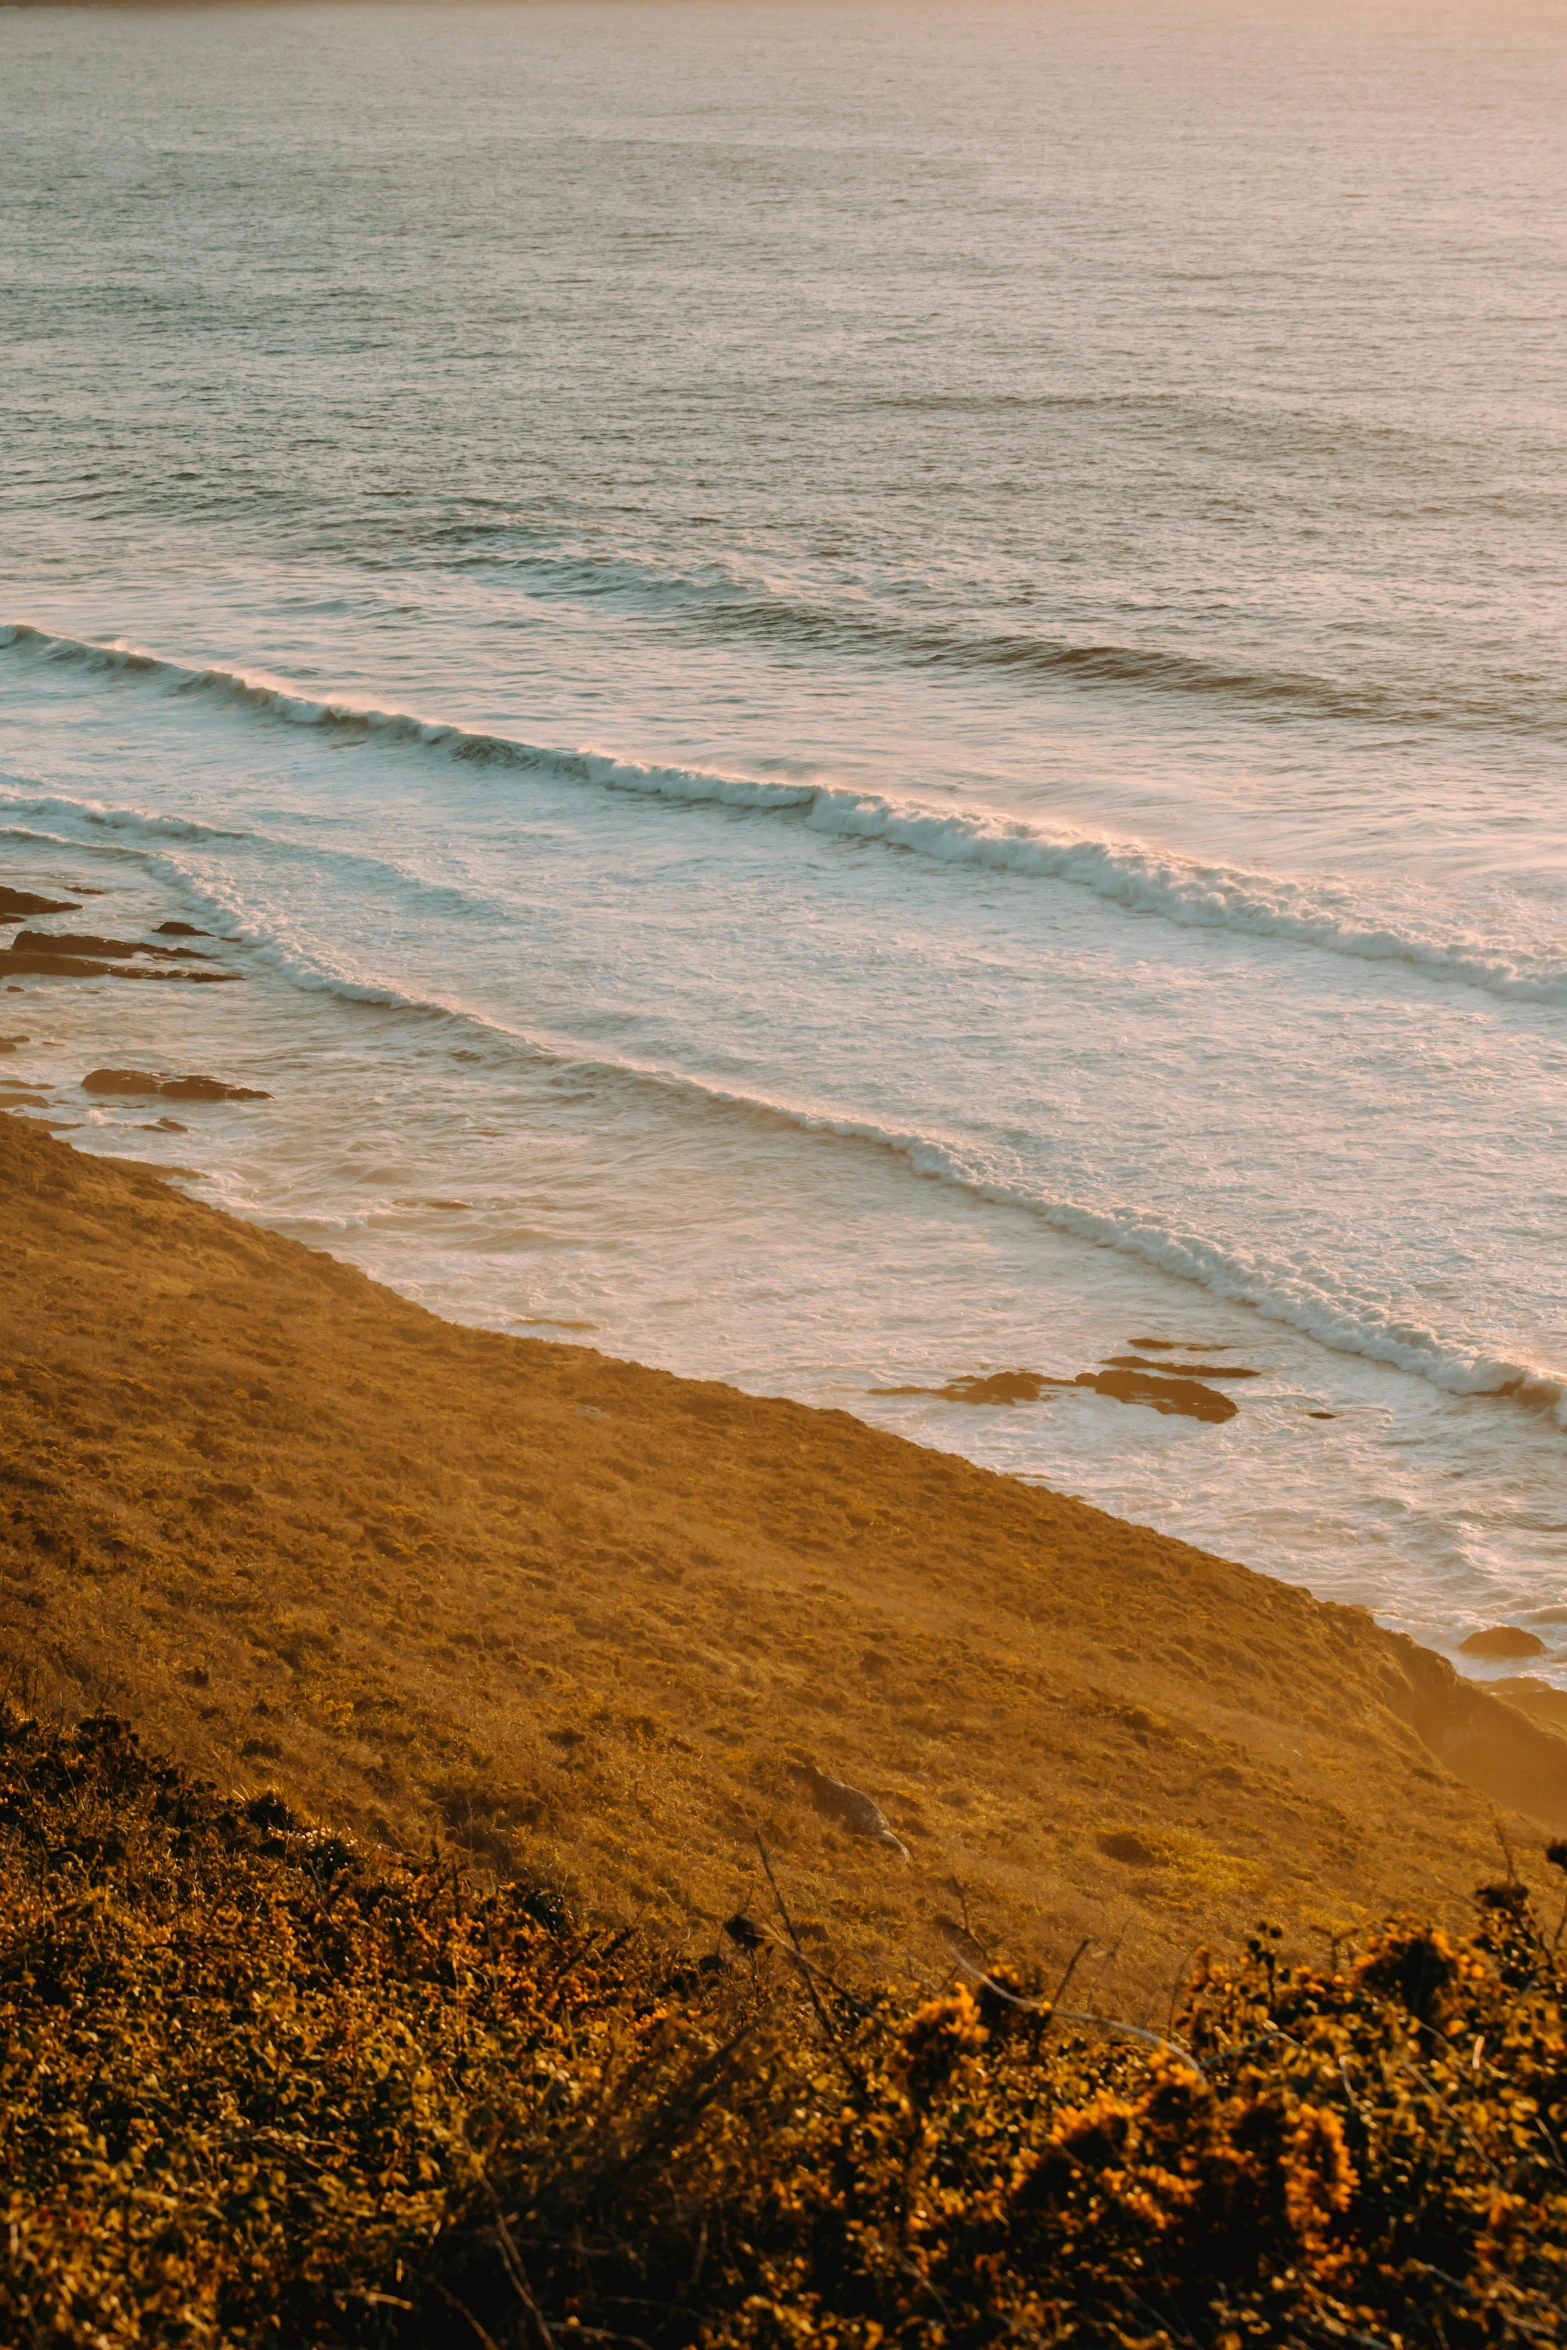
<point x="605" y="1626"/>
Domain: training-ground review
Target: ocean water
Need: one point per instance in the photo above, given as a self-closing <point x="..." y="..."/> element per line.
<point x="869" y="693"/>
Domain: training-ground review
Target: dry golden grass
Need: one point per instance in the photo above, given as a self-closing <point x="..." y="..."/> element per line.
<point x="588" y="1619"/>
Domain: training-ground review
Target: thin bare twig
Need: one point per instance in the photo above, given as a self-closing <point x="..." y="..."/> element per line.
<point x="822" y="2016"/>
<point x="1433" y="2092"/>
<point x="1106" y="2023"/>
<point x="487" y="2341"/>
<point x="538" y="2329"/>
<point x="1072" y="1965"/>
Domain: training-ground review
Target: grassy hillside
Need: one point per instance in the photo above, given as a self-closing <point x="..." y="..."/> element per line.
<point x="258" y="2089"/>
<point x="599" y="1625"/>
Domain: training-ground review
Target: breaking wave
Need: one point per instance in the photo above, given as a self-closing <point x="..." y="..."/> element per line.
<point x="1308" y="1298"/>
<point x="1134" y="875"/>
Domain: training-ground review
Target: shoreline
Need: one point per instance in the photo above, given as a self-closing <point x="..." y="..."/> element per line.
<point x="519" y="1189"/>
<point x="590" y="1619"/>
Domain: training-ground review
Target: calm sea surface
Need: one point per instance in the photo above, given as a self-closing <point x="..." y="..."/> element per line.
<point x="871" y="693"/>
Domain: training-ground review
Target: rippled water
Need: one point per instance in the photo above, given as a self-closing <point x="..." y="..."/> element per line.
<point x="870" y="693"/>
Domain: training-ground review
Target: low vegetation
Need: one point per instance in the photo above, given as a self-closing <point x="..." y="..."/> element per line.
<point x="262" y="2086"/>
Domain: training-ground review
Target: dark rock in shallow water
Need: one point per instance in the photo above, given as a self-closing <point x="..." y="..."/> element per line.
<point x="1165" y="1391"/>
<point x="86" y="942"/>
<point x="44" y="962"/>
<point x="999" y="1387"/>
<point x="209" y="1089"/>
<point x="1185" y="1397"/>
<point x="17" y="904"/>
<point x="71" y="942"/>
<point x="174" y="1089"/>
<point x="38" y="965"/>
<point x="180" y="930"/>
<point x="1181" y="1370"/>
<point x="1503" y="1640"/>
<point x="121" y="1081"/>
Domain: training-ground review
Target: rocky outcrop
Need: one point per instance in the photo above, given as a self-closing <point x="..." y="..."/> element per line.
<point x="174" y="1089"/>
<point x="46" y="961"/>
<point x="1165" y="1391"/>
<point x="1500" y="1641"/>
<point x="85" y="942"/>
<point x="17" y="905"/>
<point x="1188" y="1398"/>
<point x="999" y="1387"/>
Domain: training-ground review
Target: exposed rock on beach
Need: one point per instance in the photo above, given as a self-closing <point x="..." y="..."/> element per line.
<point x="20" y="905"/>
<point x="141" y="1082"/>
<point x="1175" y="1390"/>
<point x="81" y="954"/>
<point x="1502" y="1641"/>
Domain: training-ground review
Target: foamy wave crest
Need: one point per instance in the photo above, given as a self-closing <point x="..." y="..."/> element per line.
<point x="1311" y="1301"/>
<point x="1131" y="874"/>
<point x="134" y="832"/>
<point x="1312" y="1304"/>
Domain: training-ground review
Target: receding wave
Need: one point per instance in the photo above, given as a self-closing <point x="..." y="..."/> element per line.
<point x="1307" y="1300"/>
<point x="135" y="833"/>
<point x="1141" y="879"/>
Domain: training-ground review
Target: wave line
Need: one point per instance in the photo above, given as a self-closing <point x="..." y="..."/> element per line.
<point x="1131" y="874"/>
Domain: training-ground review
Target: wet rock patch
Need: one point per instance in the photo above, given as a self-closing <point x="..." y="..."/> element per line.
<point x="18" y="905"/>
<point x="174" y="1089"/>
<point x="87" y="942"/>
<point x="1162" y="1391"/>
<point x="1503" y="1640"/>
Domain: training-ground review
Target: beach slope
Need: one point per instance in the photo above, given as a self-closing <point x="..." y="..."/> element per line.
<point x="606" y="1627"/>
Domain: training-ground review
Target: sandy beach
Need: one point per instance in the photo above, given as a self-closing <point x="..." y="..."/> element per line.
<point x="596" y="1624"/>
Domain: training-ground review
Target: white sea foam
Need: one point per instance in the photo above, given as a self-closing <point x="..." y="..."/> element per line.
<point x="129" y="833"/>
<point x="1141" y="878"/>
<point x="1303" y="1301"/>
<point x="1306" y="1297"/>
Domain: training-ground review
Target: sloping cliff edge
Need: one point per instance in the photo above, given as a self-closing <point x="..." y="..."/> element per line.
<point x="593" y="1622"/>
